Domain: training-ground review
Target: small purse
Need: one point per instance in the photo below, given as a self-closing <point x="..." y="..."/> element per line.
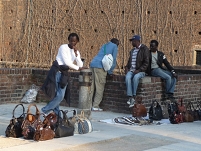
<point x="189" y="114"/>
<point x="63" y="127"/>
<point x="44" y="131"/>
<point x="139" y="109"/>
<point x="14" y="128"/>
<point x="83" y="124"/>
<point x="30" y="123"/>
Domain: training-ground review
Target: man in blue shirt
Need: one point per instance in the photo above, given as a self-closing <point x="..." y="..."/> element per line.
<point x="99" y="74"/>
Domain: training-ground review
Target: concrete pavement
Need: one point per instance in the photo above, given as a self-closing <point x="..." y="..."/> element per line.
<point x="109" y="137"/>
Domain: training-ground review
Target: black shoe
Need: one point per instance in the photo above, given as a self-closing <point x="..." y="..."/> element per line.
<point x="172" y="99"/>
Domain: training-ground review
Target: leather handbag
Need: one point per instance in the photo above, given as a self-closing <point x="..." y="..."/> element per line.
<point x="64" y="127"/>
<point x="31" y="122"/>
<point x="14" y="128"/>
<point x="83" y="124"/>
<point x="155" y="111"/>
<point x="52" y="119"/>
<point x="44" y="131"/>
<point x="181" y="108"/>
<point x="139" y="109"/>
<point x="175" y="117"/>
<point x="198" y="110"/>
<point x="189" y="114"/>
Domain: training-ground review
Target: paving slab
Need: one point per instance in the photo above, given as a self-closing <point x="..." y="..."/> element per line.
<point x="110" y="137"/>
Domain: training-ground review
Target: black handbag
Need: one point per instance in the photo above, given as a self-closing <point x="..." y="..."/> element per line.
<point x="64" y="127"/>
<point x="14" y="128"/>
<point x="155" y="111"/>
<point x="197" y="110"/>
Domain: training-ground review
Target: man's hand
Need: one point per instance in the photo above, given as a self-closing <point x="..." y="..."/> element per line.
<point x="175" y="75"/>
<point x="136" y="71"/>
<point x="75" y="50"/>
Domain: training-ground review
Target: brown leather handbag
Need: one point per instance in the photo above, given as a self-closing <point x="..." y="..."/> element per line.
<point x="139" y="109"/>
<point x="51" y="118"/>
<point x="31" y="122"/>
<point x="182" y="108"/>
<point x="189" y="114"/>
<point x="44" y="131"/>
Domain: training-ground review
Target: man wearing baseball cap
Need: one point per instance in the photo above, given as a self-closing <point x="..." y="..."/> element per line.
<point x="135" y="69"/>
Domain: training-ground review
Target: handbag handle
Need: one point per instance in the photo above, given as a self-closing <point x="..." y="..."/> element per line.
<point x="180" y="102"/>
<point x="37" y="110"/>
<point x="64" y="118"/>
<point x="22" y="108"/>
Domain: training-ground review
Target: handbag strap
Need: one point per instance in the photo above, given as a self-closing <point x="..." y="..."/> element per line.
<point x="37" y="110"/>
<point x="180" y="102"/>
<point x="23" y="114"/>
<point x="105" y="49"/>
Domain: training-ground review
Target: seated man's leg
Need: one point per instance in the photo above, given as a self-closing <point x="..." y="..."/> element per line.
<point x="170" y="81"/>
<point x="173" y="82"/>
<point x="129" y="77"/>
<point x="136" y="80"/>
<point x="129" y="86"/>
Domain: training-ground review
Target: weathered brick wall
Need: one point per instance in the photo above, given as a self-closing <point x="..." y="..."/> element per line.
<point x="31" y="31"/>
<point x="15" y="82"/>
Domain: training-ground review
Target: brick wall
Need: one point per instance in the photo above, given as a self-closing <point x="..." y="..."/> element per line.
<point x="15" y="82"/>
<point x="32" y="30"/>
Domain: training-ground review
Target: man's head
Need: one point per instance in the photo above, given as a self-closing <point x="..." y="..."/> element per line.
<point x="115" y="41"/>
<point x="73" y="39"/>
<point x="135" y="40"/>
<point x="154" y="45"/>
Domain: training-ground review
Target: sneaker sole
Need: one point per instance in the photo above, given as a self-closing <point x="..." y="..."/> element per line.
<point x="131" y="106"/>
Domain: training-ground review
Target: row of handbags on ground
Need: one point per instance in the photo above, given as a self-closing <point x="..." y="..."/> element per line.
<point x="177" y="112"/>
<point x="40" y="127"/>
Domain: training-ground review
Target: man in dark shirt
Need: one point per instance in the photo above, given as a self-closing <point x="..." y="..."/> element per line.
<point x="136" y="67"/>
<point x="157" y="58"/>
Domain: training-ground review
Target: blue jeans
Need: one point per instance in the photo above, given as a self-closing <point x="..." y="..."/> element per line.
<point x="53" y="105"/>
<point x="132" y="81"/>
<point x="170" y="81"/>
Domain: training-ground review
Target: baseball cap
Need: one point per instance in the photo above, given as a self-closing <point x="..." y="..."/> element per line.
<point x="135" y="37"/>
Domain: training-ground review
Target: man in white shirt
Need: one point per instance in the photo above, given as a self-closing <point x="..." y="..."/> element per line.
<point x="56" y="81"/>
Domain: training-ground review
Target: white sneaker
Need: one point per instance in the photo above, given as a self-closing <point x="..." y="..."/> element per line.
<point x="96" y="109"/>
<point x="129" y="101"/>
<point x="132" y="102"/>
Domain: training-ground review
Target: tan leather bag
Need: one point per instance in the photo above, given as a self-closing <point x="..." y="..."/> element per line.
<point x="139" y="109"/>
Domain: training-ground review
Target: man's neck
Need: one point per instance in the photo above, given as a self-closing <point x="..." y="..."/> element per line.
<point x="154" y="51"/>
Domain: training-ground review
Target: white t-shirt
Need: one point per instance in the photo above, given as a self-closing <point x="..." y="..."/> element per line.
<point x="66" y="56"/>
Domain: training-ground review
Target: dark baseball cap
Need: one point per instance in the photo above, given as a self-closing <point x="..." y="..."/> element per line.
<point x="135" y="37"/>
